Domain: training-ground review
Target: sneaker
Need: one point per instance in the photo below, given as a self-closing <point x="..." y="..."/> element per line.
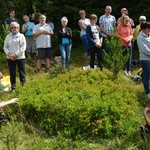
<point x="148" y="95"/>
<point x="14" y="91"/>
<point x="129" y="73"/>
<point x="125" y="72"/>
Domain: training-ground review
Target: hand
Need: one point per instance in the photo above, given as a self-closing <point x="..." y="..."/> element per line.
<point x="14" y="100"/>
<point x="146" y="109"/>
<point x="98" y="45"/>
<point x="14" y="56"/>
<point x="10" y="56"/>
<point x="110" y="35"/>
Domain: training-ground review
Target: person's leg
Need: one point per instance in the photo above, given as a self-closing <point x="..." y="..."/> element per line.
<point x="28" y="49"/>
<point x="12" y="71"/>
<point x="68" y="52"/>
<point x="129" y="49"/>
<point x="21" y="69"/>
<point x="146" y="75"/>
<point x="92" y="54"/>
<point x="40" y="56"/>
<point x="63" y="54"/>
<point x="99" y="57"/>
<point x="48" y="56"/>
<point x="85" y="45"/>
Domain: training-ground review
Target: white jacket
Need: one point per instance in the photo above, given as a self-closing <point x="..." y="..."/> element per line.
<point x="15" y="45"/>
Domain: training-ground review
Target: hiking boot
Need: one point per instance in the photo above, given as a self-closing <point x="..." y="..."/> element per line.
<point x="148" y="95"/>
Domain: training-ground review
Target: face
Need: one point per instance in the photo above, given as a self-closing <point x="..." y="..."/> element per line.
<point x="12" y="14"/>
<point x="64" y="23"/>
<point x="83" y="15"/>
<point x="142" y="20"/>
<point x="93" y="21"/>
<point x="26" y="19"/>
<point x="14" y="28"/>
<point x="42" y="19"/>
<point x="108" y="10"/>
<point x="126" y="21"/>
<point x="124" y="11"/>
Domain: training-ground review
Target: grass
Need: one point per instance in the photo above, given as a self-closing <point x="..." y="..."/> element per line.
<point x="23" y="136"/>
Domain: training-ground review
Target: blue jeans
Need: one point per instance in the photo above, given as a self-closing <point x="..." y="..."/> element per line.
<point x="85" y="43"/>
<point x="65" y="50"/>
<point x="146" y="74"/>
<point x="127" y="65"/>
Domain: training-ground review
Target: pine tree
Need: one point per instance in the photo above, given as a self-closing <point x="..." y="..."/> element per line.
<point x="114" y="58"/>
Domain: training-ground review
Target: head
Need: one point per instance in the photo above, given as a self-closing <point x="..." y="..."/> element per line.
<point x="42" y="19"/>
<point x="26" y="18"/>
<point x="124" y="11"/>
<point x="33" y="16"/>
<point x="108" y="10"/>
<point x="125" y="20"/>
<point x="145" y="27"/>
<point x="93" y="19"/>
<point x="64" y="21"/>
<point x="82" y="13"/>
<point x="14" y="27"/>
<point x="12" y="13"/>
<point x="142" y="19"/>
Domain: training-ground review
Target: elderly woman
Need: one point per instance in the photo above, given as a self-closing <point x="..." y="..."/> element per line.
<point x="126" y="36"/>
<point x="14" y="47"/>
<point x="65" y="42"/>
<point x="83" y="23"/>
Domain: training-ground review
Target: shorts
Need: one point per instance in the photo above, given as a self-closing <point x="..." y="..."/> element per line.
<point x="31" y="44"/>
<point x="44" y="53"/>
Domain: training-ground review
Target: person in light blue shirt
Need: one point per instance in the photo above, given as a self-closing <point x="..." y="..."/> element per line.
<point x="27" y="30"/>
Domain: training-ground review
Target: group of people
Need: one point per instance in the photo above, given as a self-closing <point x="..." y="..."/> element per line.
<point x="34" y="39"/>
<point x="94" y="37"/>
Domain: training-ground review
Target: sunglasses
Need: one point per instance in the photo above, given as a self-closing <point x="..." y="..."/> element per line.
<point x="13" y="27"/>
<point x="142" y="20"/>
<point x="125" y="10"/>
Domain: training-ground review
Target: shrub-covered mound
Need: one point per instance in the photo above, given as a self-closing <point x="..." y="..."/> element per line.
<point x="80" y="103"/>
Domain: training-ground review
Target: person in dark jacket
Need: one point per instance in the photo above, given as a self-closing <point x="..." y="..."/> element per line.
<point x="94" y="41"/>
<point x="65" y="42"/>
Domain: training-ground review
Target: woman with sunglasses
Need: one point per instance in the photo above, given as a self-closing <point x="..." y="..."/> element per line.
<point x="126" y="35"/>
<point x="14" y="48"/>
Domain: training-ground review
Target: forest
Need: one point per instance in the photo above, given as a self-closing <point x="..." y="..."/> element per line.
<point x="55" y="9"/>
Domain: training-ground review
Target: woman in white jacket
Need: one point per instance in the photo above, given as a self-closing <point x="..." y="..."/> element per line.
<point x="14" y="47"/>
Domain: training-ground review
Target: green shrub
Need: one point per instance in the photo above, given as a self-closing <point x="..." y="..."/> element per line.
<point x="80" y="103"/>
<point x="114" y="58"/>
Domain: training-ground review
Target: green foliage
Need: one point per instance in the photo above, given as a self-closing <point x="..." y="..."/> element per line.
<point x="79" y="104"/>
<point x="114" y="59"/>
<point x="4" y="32"/>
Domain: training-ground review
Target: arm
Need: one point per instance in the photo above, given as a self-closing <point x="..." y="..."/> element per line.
<point x="81" y="25"/>
<point x="22" y="45"/>
<point x="144" y="45"/>
<point x="5" y="103"/>
<point x="147" y="119"/>
<point x="24" y="29"/>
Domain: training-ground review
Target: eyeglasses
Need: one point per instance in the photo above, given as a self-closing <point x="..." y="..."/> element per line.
<point x="13" y="27"/>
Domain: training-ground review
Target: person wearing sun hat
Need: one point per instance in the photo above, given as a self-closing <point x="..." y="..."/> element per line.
<point x="137" y="28"/>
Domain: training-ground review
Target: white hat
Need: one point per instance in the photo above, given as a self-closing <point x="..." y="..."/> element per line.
<point x="64" y="19"/>
<point x="142" y="18"/>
